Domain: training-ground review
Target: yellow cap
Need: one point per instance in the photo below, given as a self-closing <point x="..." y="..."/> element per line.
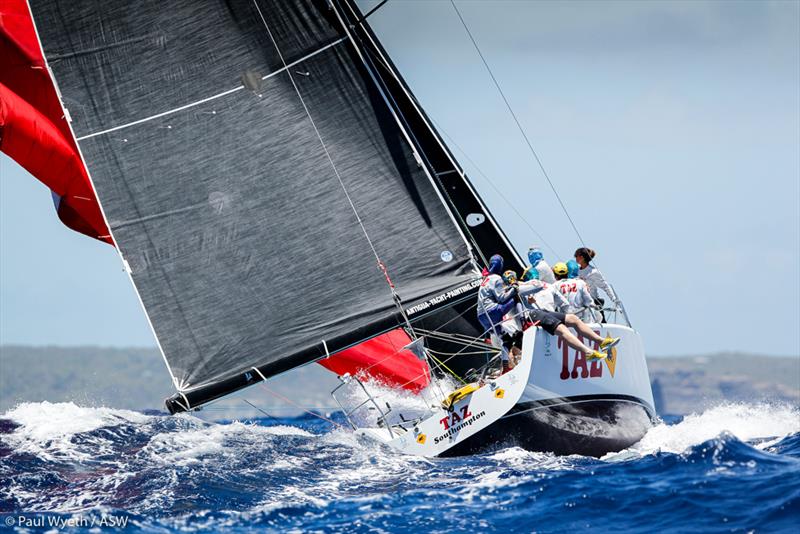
<point x="560" y="268"/>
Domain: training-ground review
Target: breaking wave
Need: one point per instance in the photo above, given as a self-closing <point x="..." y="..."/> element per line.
<point x="178" y="472"/>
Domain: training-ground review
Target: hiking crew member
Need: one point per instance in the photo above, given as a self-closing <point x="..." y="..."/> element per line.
<point x="494" y="301"/>
<point x="545" y="296"/>
<point x="556" y="323"/>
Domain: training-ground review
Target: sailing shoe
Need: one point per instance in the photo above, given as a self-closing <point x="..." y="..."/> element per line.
<point x="609" y="343"/>
<point x="595" y="355"/>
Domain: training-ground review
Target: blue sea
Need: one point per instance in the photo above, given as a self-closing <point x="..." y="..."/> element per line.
<point x="732" y="468"/>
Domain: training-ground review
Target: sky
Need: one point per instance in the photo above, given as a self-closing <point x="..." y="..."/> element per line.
<point x="671" y="131"/>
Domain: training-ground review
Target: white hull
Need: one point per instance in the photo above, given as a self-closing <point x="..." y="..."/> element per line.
<point x="553" y="400"/>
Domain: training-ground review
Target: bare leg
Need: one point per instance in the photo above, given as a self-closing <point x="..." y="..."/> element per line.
<point x="581" y="327"/>
<point x="572" y="340"/>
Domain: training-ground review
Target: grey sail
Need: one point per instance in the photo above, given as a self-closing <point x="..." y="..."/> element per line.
<point x="209" y="159"/>
<point x="267" y="175"/>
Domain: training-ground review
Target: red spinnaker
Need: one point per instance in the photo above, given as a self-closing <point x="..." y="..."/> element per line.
<point x="383" y="358"/>
<point x="33" y="129"/>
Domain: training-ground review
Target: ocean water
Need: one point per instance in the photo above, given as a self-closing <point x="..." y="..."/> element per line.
<point x="732" y="468"/>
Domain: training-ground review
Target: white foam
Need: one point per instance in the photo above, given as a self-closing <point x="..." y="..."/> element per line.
<point x="282" y="430"/>
<point x="747" y="422"/>
<point x="46" y="429"/>
<point x="210" y="442"/>
<point x="45" y="420"/>
<point x="410" y="405"/>
<point x="182" y="448"/>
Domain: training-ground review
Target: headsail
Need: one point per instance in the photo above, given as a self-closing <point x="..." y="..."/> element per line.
<point x="253" y="167"/>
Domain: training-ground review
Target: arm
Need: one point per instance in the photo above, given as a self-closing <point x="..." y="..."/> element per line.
<point x="530" y="287"/>
<point x="584" y="299"/>
<point x="600" y="282"/>
<point x="501" y="293"/>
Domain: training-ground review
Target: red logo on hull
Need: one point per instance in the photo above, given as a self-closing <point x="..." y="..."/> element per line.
<point x="574" y="364"/>
<point x="454" y="418"/>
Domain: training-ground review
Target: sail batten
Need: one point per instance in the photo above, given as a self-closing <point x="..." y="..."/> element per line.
<point x="209" y="98"/>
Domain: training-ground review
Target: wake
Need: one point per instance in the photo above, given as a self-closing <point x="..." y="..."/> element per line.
<point x="762" y="424"/>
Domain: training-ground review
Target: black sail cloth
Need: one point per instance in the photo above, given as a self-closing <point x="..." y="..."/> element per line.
<point x="240" y="239"/>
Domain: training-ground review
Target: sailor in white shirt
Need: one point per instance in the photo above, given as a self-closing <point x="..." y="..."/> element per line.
<point x="574" y="290"/>
<point x="536" y="258"/>
<point x="593" y="277"/>
<point x="554" y="323"/>
<point x="545" y="296"/>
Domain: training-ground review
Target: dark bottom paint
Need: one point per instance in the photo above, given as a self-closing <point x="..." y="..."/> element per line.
<point x="590" y="427"/>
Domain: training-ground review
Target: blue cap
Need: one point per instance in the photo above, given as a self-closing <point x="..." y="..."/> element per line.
<point x="535" y="256"/>
<point x="496" y="264"/>
<point x="572" y="269"/>
<point x="531" y="273"/>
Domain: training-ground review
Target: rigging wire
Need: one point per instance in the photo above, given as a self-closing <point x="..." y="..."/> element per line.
<point x="381" y="265"/>
<point x="516" y="120"/>
<point x="371" y="11"/>
<point x="263" y="384"/>
<point x="259" y="409"/>
<point x="416" y="146"/>
<point x="493" y="186"/>
<point x="475" y="165"/>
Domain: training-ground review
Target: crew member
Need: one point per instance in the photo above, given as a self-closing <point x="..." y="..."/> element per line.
<point x="494" y="301"/>
<point x="573" y="269"/>
<point x="575" y="291"/>
<point x="594" y="278"/>
<point x="536" y="258"/>
<point x="556" y="323"/>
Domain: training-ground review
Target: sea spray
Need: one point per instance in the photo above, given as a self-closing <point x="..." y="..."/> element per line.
<point x="170" y="473"/>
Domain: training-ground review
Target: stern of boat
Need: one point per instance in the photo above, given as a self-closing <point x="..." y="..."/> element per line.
<point x="574" y="406"/>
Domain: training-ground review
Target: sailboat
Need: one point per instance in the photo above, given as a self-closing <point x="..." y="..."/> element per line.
<point x="279" y="197"/>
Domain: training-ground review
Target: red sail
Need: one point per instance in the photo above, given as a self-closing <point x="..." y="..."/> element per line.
<point x="33" y="129"/>
<point x="384" y="359"/>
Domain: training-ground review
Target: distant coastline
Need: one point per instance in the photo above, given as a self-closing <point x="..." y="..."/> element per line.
<point x="136" y="378"/>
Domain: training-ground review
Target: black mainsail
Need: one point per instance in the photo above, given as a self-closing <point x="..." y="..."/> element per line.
<point x="266" y="175"/>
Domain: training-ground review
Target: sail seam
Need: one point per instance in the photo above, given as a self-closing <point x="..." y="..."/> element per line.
<point x="212" y="97"/>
